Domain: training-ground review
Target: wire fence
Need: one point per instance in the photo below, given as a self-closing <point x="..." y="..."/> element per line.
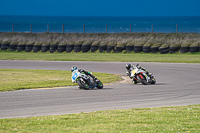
<point x="64" y="28"/>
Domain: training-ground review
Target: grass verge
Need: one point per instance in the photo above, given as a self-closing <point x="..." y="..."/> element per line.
<point x="16" y="79"/>
<point x="164" y="119"/>
<point x="117" y="57"/>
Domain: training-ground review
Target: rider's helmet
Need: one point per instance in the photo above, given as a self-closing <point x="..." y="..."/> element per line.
<point x="73" y="68"/>
<point x="128" y="66"/>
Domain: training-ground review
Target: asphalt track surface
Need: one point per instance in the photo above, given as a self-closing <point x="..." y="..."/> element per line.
<point x="177" y="85"/>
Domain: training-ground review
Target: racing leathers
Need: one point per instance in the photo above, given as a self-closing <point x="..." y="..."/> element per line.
<point x="88" y="73"/>
<point x="128" y="72"/>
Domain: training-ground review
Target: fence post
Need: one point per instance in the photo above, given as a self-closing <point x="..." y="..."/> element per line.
<point x="83" y="28"/>
<point x="176" y="28"/>
<point x="63" y="28"/>
<point x="31" y="28"/>
<point x="47" y="28"/>
<point x="106" y="28"/>
<point x="130" y="28"/>
<point x="152" y="28"/>
<point x="12" y="27"/>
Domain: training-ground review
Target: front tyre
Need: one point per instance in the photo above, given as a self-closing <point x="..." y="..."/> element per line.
<point x="153" y="80"/>
<point x="83" y="84"/>
<point x="142" y="79"/>
<point x="99" y="85"/>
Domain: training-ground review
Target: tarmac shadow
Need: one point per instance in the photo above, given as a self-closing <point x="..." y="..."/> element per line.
<point x="152" y="84"/>
<point x="159" y="84"/>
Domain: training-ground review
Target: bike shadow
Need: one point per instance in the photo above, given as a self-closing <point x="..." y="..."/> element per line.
<point x="96" y="89"/>
<point x="153" y="84"/>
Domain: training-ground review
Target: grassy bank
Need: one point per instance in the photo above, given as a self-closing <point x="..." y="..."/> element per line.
<point x="16" y="79"/>
<point x="109" y="39"/>
<point x="118" y="57"/>
<point x="184" y="119"/>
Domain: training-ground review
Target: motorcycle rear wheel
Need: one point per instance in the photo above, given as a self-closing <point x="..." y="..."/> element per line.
<point x="82" y="84"/>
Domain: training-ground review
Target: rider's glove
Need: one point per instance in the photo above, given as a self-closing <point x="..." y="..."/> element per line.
<point x="128" y="74"/>
<point x="138" y="66"/>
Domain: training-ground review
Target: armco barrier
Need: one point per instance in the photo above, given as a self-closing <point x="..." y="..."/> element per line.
<point x="45" y="48"/>
<point x="154" y="49"/>
<point x="164" y="50"/>
<point x="28" y="48"/>
<point x="53" y="48"/>
<point x="102" y="48"/>
<point x="194" y="49"/>
<point x="69" y="48"/>
<point x="109" y="48"/>
<point x="36" y="48"/>
<point x="174" y="49"/>
<point x="77" y="48"/>
<point x="184" y="49"/>
<point x="137" y="49"/>
<point x="12" y="47"/>
<point x="85" y="48"/>
<point x="129" y="48"/>
<point x="61" y="48"/>
<point x="146" y="49"/>
<point x="93" y="48"/>
<point x="20" y="48"/>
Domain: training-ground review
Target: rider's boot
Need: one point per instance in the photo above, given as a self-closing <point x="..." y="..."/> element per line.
<point x="150" y="74"/>
<point x="96" y="80"/>
<point x="134" y="81"/>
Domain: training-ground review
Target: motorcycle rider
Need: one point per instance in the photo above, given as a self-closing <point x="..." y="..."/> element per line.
<point x="73" y="68"/>
<point x="130" y="67"/>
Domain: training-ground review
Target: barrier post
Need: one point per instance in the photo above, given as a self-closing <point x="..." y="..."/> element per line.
<point x="63" y="28"/>
<point x="47" y="28"/>
<point x="83" y="28"/>
<point x="12" y="27"/>
<point x="31" y="28"/>
<point x="106" y="29"/>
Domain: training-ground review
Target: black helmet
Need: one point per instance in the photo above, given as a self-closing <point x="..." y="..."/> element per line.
<point x="73" y="68"/>
<point x="128" y="66"/>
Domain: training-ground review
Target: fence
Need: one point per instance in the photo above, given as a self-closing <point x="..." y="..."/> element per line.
<point x="84" y="28"/>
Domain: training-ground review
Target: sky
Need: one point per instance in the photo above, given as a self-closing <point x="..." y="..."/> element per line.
<point x="101" y="7"/>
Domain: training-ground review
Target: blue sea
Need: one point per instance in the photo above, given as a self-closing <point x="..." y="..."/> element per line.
<point x="74" y="24"/>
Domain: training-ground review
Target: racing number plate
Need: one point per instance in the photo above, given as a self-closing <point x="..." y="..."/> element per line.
<point x="74" y="76"/>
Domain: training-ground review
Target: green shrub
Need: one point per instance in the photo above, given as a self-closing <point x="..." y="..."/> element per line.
<point x="157" y="45"/>
<point x="96" y="43"/>
<point x="164" y="45"/>
<point x="22" y="43"/>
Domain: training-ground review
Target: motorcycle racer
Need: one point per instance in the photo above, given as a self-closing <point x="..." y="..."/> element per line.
<point x="130" y="67"/>
<point x="73" y="68"/>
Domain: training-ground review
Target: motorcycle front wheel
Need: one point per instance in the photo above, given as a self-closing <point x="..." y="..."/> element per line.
<point x="142" y="80"/>
<point x="100" y="85"/>
<point x="153" y="80"/>
<point x="83" y="84"/>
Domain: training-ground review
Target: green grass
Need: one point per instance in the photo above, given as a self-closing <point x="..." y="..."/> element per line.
<point x="183" y="119"/>
<point x="16" y="79"/>
<point x="118" y="57"/>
